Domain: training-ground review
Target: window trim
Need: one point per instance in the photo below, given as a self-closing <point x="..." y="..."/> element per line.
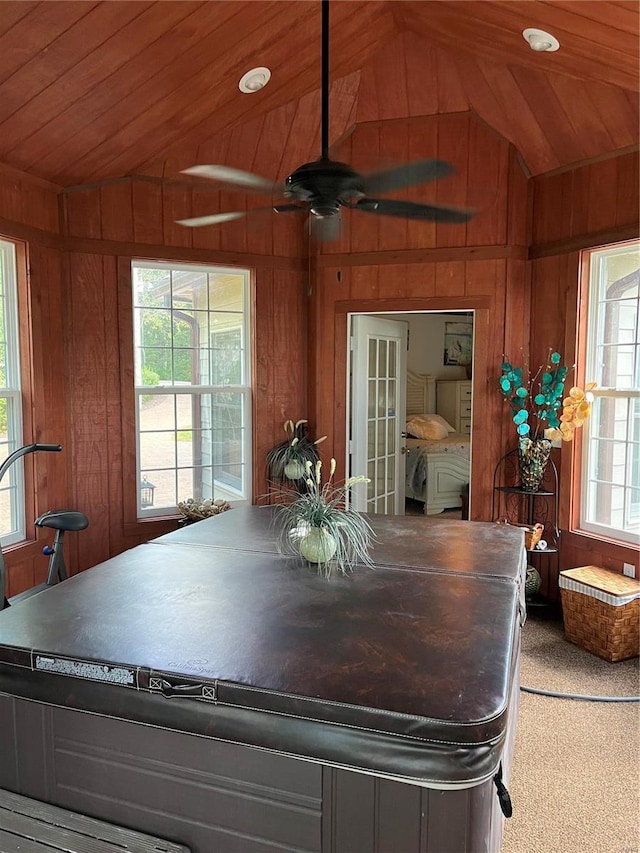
<point x="141" y="514"/>
<point x="17" y="341"/>
<point x="585" y="342"/>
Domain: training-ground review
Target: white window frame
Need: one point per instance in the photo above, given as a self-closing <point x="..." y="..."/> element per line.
<point x="587" y="524"/>
<point x="13" y="481"/>
<point x="244" y="389"/>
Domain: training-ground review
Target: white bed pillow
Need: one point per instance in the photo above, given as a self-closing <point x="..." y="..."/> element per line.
<point x="433" y="427"/>
<point x="430" y="427"/>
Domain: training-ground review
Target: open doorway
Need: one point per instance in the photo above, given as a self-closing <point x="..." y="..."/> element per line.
<point x="433" y="452"/>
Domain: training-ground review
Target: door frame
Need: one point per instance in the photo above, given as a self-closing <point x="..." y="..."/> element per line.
<point x="480" y="305"/>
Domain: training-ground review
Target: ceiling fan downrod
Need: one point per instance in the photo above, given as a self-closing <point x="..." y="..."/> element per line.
<point x="324" y="124"/>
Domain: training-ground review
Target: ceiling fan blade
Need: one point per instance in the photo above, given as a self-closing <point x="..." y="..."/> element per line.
<point x="411" y="210"/>
<point x="235" y="177"/>
<point x="214" y="218"/>
<point x="288" y="208"/>
<point x="406" y="175"/>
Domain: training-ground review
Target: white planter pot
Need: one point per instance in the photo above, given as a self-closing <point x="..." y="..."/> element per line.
<point x="294" y="470"/>
<point x="318" y="546"/>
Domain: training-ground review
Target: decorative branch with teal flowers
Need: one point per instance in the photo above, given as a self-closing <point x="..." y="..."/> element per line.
<point x="543" y="404"/>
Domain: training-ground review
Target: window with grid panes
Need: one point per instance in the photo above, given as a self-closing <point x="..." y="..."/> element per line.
<point x="12" y="497"/>
<point x="610" y="476"/>
<point x="192" y="384"/>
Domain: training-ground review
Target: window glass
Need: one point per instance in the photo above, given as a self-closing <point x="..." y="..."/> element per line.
<point x="193" y="387"/>
<point x="12" y="514"/>
<point x="610" y="503"/>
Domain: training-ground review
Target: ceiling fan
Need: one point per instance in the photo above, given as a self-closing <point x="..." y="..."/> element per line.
<point x="324" y="186"/>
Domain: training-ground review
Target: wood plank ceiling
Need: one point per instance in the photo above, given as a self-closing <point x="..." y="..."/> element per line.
<point x="91" y="91"/>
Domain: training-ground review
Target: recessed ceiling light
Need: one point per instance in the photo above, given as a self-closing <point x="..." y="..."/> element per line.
<point x="254" y="80"/>
<point x="540" y="41"/>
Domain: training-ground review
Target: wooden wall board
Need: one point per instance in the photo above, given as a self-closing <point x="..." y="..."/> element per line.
<point x="583" y="201"/>
<point x="116" y="210"/>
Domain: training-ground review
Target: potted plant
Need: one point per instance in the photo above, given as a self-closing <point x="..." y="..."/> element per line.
<point x="542" y="414"/>
<point x="286" y="462"/>
<point x="322" y="527"/>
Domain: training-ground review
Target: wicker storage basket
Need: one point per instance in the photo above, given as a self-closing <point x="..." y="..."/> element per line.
<point x="601" y="611"/>
<point x="532" y="533"/>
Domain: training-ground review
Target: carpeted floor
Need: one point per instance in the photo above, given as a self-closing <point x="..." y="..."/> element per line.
<point x="575" y="782"/>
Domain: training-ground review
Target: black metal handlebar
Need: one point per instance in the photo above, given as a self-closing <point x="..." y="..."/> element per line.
<point x="8" y="462"/>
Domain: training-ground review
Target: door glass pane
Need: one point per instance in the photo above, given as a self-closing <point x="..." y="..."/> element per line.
<point x="373" y="356"/>
<point x="382" y="358"/>
<point x="371" y="401"/>
<point x="393" y="366"/>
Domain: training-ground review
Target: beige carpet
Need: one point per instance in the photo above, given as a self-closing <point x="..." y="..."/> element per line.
<point x="575" y="782"/>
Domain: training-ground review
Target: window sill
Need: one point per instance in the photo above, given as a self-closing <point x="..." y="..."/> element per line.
<point x="589" y="541"/>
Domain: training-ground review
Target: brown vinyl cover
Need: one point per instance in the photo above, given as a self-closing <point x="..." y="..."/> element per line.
<point x="404" y="670"/>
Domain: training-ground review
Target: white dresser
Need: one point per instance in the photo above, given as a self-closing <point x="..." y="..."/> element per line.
<point x="453" y="403"/>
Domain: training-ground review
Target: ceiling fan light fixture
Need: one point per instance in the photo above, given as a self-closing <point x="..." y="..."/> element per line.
<point x="540" y="41"/>
<point x="254" y="80"/>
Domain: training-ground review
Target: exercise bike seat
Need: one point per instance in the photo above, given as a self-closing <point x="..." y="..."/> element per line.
<point x="63" y="519"/>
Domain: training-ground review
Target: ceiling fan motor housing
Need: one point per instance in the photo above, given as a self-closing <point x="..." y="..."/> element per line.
<point x="324" y="185"/>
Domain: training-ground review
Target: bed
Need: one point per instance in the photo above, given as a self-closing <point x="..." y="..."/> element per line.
<point x="437" y="469"/>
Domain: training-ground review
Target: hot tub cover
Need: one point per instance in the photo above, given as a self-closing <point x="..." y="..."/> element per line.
<point x="405" y="670"/>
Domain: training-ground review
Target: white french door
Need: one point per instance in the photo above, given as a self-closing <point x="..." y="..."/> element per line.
<point x="378" y="407"/>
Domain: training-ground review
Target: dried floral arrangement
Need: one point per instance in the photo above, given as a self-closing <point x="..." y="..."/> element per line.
<point x="538" y="407"/>
<point x="286" y="462"/>
<point x="321" y="526"/>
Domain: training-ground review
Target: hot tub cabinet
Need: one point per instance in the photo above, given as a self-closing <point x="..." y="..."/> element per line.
<point x="207" y="690"/>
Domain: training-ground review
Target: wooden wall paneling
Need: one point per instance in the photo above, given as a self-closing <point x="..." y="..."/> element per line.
<point x="453" y="145"/>
<point x="485" y="438"/>
<point x="367" y="156"/>
<point x="265" y="417"/>
<point x="40" y="206"/>
<point x="394" y="149"/>
<point x="147" y="211"/>
<point x="233" y="235"/>
<point x="126" y="398"/>
<point x="602" y="201"/>
<point x="423" y="144"/>
<point x="48" y="393"/>
<point x="519" y="202"/>
<point x="364" y="282"/>
<point x="627" y="207"/>
<point x="420" y="281"/>
<point x="176" y="204"/>
<point x="392" y="279"/>
<point x="116" y="423"/>
<point x="82" y="214"/>
<point x="280" y="345"/>
<point x="88" y="405"/>
<point x="332" y="283"/>
<point x="205" y="200"/>
<point x="23" y="571"/>
<point x="116" y="210"/>
<point x="450" y="278"/>
<point x="488" y="185"/>
<point x="578" y="550"/>
<point x="342" y="151"/>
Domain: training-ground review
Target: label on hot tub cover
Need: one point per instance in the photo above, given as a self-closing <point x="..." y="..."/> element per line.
<point x="82" y="669"/>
